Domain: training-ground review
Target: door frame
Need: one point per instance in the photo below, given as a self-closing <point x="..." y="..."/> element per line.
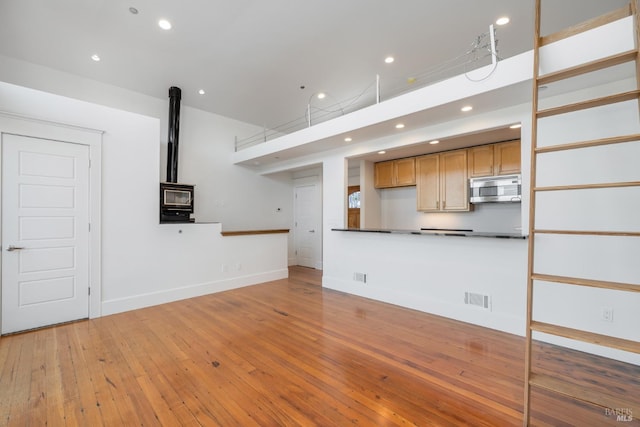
<point x="316" y="181"/>
<point x="37" y="128"/>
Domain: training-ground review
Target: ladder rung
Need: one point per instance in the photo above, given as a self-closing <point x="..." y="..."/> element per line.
<point x="592" y="103"/>
<point x="616" y="286"/>
<point x="599" y="21"/>
<point x="584" y="393"/>
<point x="588" y="67"/>
<point x="586" y="336"/>
<point x="586" y="144"/>
<point x="589" y="186"/>
<point x="590" y="232"/>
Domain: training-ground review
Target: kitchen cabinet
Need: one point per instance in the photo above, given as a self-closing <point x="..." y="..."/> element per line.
<point x="502" y="158"/>
<point x="441" y="182"/>
<point x="507" y="158"/>
<point x="481" y="160"/>
<point x="428" y="183"/>
<point x="395" y="173"/>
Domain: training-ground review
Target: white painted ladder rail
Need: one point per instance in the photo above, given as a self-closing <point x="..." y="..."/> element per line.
<point x="557" y="383"/>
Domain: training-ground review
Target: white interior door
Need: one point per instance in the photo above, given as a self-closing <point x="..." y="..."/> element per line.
<point x="45" y="232"/>
<point x="308" y="228"/>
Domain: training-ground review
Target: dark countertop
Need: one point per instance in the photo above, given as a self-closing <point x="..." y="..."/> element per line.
<point x="435" y="232"/>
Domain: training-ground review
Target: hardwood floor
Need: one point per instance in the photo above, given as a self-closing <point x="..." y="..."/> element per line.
<point x="287" y="353"/>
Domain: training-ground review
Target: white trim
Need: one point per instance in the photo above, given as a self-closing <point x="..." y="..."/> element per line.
<point x="120" y="305"/>
<point x="10" y="115"/>
<point x="36" y="128"/>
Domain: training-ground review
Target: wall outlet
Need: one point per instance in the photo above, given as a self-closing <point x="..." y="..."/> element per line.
<point x="607" y="314"/>
<point x="224" y="268"/>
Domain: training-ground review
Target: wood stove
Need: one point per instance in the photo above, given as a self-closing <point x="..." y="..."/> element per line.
<point x="176" y="202"/>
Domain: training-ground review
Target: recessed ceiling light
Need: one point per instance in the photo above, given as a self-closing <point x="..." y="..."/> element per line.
<point x="503" y="20"/>
<point x="466" y="108"/>
<point x="516" y="126"/>
<point x="399" y="126"/>
<point x="164" y="24"/>
<point x="133" y="10"/>
<point x="201" y="92"/>
<point x="321" y="95"/>
<point x="348" y="139"/>
<point x="95" y="57"/>
<point x="381" y="152"/>
<point x="434" y="142"/>
<point x="389" y="59"/>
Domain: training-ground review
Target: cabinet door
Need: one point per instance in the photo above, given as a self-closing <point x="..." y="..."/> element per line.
<point x="454" y="186"/>
<point x="428" y="183"/>
<point x="480" y="161"/>
<point x="384" y="174"/>
<point x="405" y="172"/>
<point x="507" y="157"/>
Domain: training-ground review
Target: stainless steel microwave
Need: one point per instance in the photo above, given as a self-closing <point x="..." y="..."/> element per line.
<point x="496" y="189"/>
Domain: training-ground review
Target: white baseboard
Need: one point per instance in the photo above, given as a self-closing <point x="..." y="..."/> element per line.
<point x="120" y="305"/>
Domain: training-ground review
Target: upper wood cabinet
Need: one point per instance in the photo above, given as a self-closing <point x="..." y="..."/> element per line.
<point x="395" y="173"/>
<point x="383" y="174"/>
<point x="481" y="160"/>
<point x="507" y="160"/>
<point x="441" y="182"/>
<point x="502" y="158"/>
<point x="428" y="183"/>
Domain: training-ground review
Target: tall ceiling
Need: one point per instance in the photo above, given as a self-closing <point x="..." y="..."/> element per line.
<point x="262" y="61"/>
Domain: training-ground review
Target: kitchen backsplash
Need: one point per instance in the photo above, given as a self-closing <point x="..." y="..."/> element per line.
<point x="398" y="211"/>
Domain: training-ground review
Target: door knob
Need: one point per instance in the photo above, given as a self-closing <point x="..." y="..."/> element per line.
<point x="12" y="248"/>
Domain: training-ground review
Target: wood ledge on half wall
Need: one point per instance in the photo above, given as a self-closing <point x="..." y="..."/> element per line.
<point x="252" y="232"/>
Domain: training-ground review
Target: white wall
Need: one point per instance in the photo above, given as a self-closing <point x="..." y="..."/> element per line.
<point x="234" y="196"/>
<point x="144" y="262"/>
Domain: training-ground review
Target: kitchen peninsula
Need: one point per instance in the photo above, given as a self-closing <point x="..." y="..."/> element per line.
<point x="434" y="271"/>
<point x="423" y="251"/>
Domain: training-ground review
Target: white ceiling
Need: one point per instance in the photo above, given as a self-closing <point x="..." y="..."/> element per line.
<point x="252" y="56"/>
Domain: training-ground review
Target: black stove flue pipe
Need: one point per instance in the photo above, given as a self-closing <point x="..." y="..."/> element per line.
<point x="174" y="132"/>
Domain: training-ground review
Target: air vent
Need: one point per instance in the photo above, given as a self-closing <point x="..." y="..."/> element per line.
<point x="478" y="300"/>
<point x="360" y="277"/>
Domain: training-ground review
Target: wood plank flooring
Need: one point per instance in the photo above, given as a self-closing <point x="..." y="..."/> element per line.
<point x="288" y="353"/>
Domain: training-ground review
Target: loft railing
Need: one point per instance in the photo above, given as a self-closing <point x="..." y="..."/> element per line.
<point x="482" y="51"/>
